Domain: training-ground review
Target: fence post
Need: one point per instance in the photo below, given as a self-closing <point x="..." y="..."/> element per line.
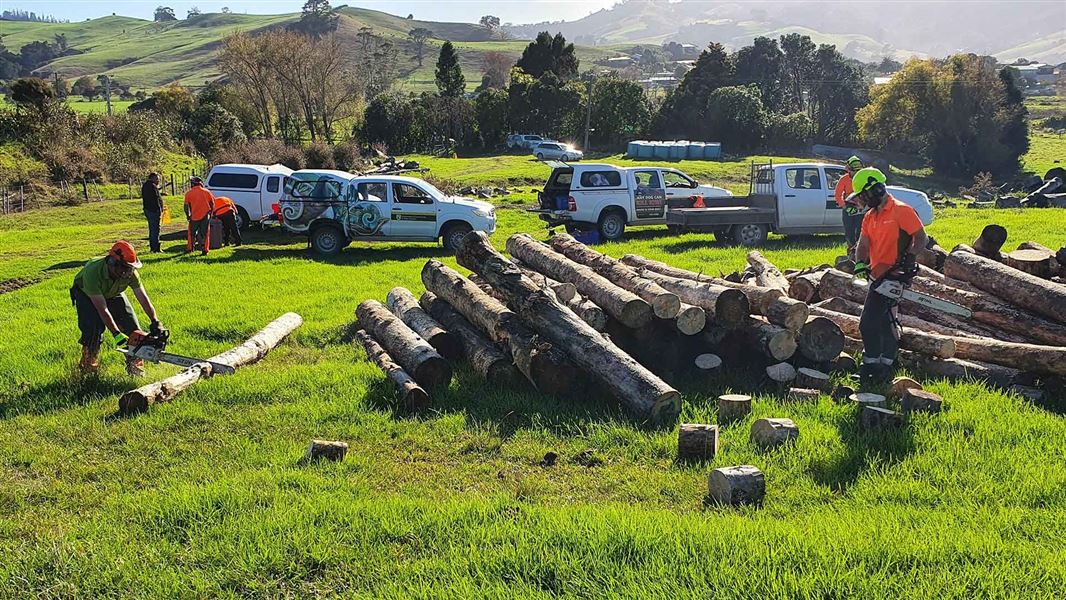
<point x="22" y="200"/>
<point x="129" y="188"/>
<point x="84" y="188"/>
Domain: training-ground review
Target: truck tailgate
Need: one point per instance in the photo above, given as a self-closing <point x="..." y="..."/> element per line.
<point x="713" y="217"/>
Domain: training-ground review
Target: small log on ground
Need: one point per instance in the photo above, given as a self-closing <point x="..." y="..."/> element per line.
<point x="404" y="305"/>
<point x="736" y="486"/>
<point x="247" y="353"/>
<point x="805" y="287"/>
<point x="782" y="373"/>
<point x="565" y="292"/>
<point x="843" y="363"/>
<point x="813" y="379"/>
<point x="990" y="241"/>
<point x="955" y="368"/>
<point x="770" y="433"/>
<point x="1021" y="289"/>
<point x="901" y="385"/>
<point x="621" y="304"/>
<point x="1039" y="263"/>
<point x="589" y="312"/>
<point x="410" y="396"/>
<point x="413" y="353"/>
<point x="708" y="365"/>
<point x="325" y="450"/>
<point x="919" y="400"/>
<point x="664" y="304"/>
<point x="875" y="417"/>
<point x="485" y="357"/>
<point x="637" y="388"/>
<point x="911" y="339"/>
<point x="766" y="273"/>
<point x="820" y="340"/>
<point x="1030" y="357"/>
<point x="801" y="394"/>
<point x="867" y="399"/>
<point x="697" y="442"/>
<point x="733" y="408"/>
<point x="726" y="306"/>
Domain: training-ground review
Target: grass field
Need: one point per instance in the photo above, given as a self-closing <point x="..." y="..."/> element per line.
<point x="203" y="497"/>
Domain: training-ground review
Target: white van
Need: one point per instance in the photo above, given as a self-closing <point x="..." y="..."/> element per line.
<point x="253" y="188"/>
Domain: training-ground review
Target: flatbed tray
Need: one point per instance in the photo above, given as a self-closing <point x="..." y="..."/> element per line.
<point x="720" y="215"/>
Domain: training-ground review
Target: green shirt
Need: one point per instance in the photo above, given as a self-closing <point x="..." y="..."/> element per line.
<point x="95" y="280"/>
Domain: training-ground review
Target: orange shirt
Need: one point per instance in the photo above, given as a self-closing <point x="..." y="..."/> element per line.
<point x="882" y="227"/>
<point x="223" y="205"/>
<point x="843" y="190"/>
<point x="200" y="202"/>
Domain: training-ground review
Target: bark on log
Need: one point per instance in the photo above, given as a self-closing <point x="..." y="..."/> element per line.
<point x="812" y="379"/>
<point x="413" y="353"/>
<point x="947" y="326"/>
<point x="733" y="408"/>
<point x="410" y="396"/>
<point x="1039" y="263"/>
<point x="781" y="373"/>
<point x="1021" y="289"/>
<point x="589" y="312"/>
<point x="873" y="417"/>
<point x="843" y="363"/>
<point x="770" y="433"/>
<point x="623" y="305"/>
<point x="802" y="394"/>
<point x="956" y="368"/>
<point x="911" y="339"/>
<point x="324" y="449"/>
<point x="919" y="400"/>
<point x="1030" y="357"/>
<point x="805" y="287"/>
<point x="772" y="341"/>
<point x="404" y="305"/>
<point x="483" y="310"/>
<point x="990" y="241"/>
<point x="932" y="257"/>
<point x="820" y="340"/>
<point x="766" y="273"/>
<point x="736" y="486"/>
<point x="636" y="387"/>
<point x="697" y="441"/>
<point x="727" y="307"/>
<point x="247" y="353"/>
<point x="485" y="357"/>
<point x="664" y="304"/>
<point x="565" y="292"/>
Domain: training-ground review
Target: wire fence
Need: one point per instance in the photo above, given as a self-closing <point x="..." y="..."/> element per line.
<point x="20" y="198"/>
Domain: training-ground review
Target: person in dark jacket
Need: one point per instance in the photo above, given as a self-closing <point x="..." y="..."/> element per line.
<point x="153" y="209"/>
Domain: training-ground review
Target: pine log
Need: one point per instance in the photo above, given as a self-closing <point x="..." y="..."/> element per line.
<point x="812" y="379"/>
<point x="251" y="351"/>
<point x="918" y="400"/>
<point x="733" y="408"/>
<point x="1030" y="357"/>
<point x="965" y="248"/>
<point x="413" y="353"/>
<point x="664" y="304"/>
<point x="772" y="341"/>
<point x="411" y="397"/>
<point x="781" y="373"/>
<point x="801" y="394"/>
<point x="852" y="308"/>
<point x="990" y="241"/>
<point x="956" y="368"/>
<point x="637" y="261"/>
<point x="589" y="312"/>
<point x="404" y="305"/>
<point x="546" y="367"/>
<point x="690" y="319"/>
<point x="565" y="292"/>
<point x="485" y="357"/>
<point x="777" y="307"/>
<point x="770" y="433"/>
<point x="1021" y="289"/>
<point x="736" y="486"/>
<point x="766" y="273"/>
<point x="932" y="257"/>
<point x="325" y="450"/>
<point x="805" y="287"/>
<point x="911" y="339"/>
<point x="623" y="305"/>
<point x="1039" y="263"/>
<point x="637" y="388"/>
<point x="697" y="441"/>
<point x="725" y="306"/>
<point x="820" y="340"/>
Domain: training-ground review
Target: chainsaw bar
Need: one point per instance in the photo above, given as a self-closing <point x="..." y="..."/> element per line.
<point x="153" y="354"/>
<point x="896" y="290"/>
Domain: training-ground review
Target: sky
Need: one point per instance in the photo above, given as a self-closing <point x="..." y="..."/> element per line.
<point x="514" y="11"/>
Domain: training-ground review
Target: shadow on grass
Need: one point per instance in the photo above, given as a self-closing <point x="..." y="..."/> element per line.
<point x="792" y="242"/>
<point x="348" y="257"/>
<point x="72" y="390"/>
<point x="862" y="450"/>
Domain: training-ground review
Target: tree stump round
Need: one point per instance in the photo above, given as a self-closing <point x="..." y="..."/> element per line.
<point x="781" y="373"/>
<point x="733" y="408"/>
<point x="326" y="450"/>
<point x="812" y="379"/>
<point x="842" y="392"/>
<point x="770" y="433"/>
<point x="843" y="363"/>
<point x="798" y="394"/>
<point x="865" y="399"/>
<point x="919" y="400"/>
<point x="708" y="366"/>
<point x="697" y="441"/>
<point x="736" y="486"/>
<point x="901" y="385"/>
<point x="874" y="417"/>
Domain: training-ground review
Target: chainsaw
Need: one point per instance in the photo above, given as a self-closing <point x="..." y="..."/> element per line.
<point x="896" y="290"/>
<point x="153" y="349"/>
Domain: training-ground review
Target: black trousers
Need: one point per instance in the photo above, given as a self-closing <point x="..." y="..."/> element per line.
<point x="92" y="326"/>
<point x="153" y="229"/>
<point x="231" y="234"/>
<point x="878" y="329"/>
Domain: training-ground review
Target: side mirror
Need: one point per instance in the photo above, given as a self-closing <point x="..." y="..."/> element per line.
<point x="695" y="184"/>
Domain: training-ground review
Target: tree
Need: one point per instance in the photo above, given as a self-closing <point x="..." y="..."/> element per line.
<point x="761" y="65"/>
<point x="318" y="18"/>
<point x="549" y="54"/>
<point x="835" y="91"/>
<point x="31" y="91"/>
<point x="490" y="22"/>
<point x="193" y="12"/>
<point x="35" y="54"/>
<point x="798" y="62"/>
<point x="684" y="110"/>
<point x="61" y="44"/>
<point x="84" y="86"/>
<point x="620" y="110"/>
<point x="244" y="60"/>
<point x="1013" y="113"/>
<point x="544" y="105"/>
<point x="653" y="60"/>
<point x="388" y="120"/>
<point x="61" y="87"/>
<point x="736" y="117"/>
<point x="495" y="67"/>
<point x="418" y="37"/>
<point x="450" y="80"/>
<point x="376" y="58"/>
<point x="174" y="101"/>
<point x="490" y="108"/>
<point x="165" y="13"/>
<point x="212" y="128"/>
<point x="225" y="10"/>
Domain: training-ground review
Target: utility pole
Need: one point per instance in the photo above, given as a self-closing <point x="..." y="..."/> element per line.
<point x="588" y="114"/>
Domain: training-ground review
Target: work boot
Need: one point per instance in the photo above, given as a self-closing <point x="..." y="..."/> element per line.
<point x="90" y="360"/>
<point x="134" y="366"/>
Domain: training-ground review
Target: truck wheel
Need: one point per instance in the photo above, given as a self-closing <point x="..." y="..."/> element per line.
<point x="540" y="156"/>
<point x="453" y="236"/>
<point x="751" y="234"/>
<point x="612" y="225"/>
<point x="328" y="240"/>
<point x="243" y="222"/>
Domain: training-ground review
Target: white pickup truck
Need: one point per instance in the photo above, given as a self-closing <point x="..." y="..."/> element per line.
<point x="335" y="208"/>
<point x="795" y="198"/>
<point x="607" y="198"/>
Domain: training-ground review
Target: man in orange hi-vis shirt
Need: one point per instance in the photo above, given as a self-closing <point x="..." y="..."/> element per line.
<point x="199" y="206"/>
<point x="851" y="214"/>
<point x="226" y="212"/>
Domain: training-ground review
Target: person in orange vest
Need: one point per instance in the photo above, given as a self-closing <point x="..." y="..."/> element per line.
<point x="852" y="214"/>
<point x="226" y="212"/>
<point x="199" y="205"/>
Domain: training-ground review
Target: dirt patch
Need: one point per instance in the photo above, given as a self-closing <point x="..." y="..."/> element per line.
<point x="10" y="285"/>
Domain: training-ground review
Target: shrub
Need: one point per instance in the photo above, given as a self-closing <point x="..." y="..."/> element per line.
<point x="347" y="157"/>
<point x="319" y="155"/>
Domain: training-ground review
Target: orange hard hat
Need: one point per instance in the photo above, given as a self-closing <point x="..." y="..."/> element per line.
<point x="123" y="252"/>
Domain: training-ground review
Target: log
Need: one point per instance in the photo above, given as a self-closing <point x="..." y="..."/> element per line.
<point x="901" y="385"/>
<point x="247" y="353"/>
<point x="410" y="396"/>
<point x="933" y="257"/>
<point x="1031" y="245"/>
<point x="947" y="326"/>
<point x="733" y="408"/>
<point x="805" y="287"/>
<point x="773" y="342"/>
<point x="865" y="399"/>
<point x="911" y="339"/>
<point x="413" y="353"/>
<point x="766" y="273"/>
<point x="990" y="241"/>
<point x="404" y="305"/>
<point x="874" y="417"/>
<point x="1049" y="360"/>
<point x="812" y="379"/>
<point x="483" y="310"/>
<point x="697" y="442"/>
<point x="726" y="306"/>
<point x="958" y="369"/>
<point x="820" y="340"/>
<point x="637" y="388"/>
<point x="1021" y="289"/>
<point x="843" y="363"/>
<point x="964" y="248"/>
<point x="1039" y="263"/>
<point x="771" y="433"/>
<point x="589" y="312"/>
<point x="623" y="305"/>
<point x="736" y="486"/>
<point x="565" y="292"/>
<point x="690" y="319"/>
<point x="919" y="400"/>
<point x="485" y="357"/>
<point x="325" y="450"/>
<point x="843" y="392"/>
<point x="709" y="366"/>
<point x="799" y="394"/>
<point x="781" y="373"/>
<point x="664" y="304"/>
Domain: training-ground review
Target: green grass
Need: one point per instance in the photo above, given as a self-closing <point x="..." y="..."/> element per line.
<point x="203" y="497"/>
<point x="1046" y="150"/>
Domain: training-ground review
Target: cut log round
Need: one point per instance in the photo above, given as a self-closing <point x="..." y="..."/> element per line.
<point x="866" y="399"/>
<point x="812" y="379"/>
<point x="411" y="352"/>
<point x="766" y="273"/>
<point x="636" y="387"/>
<point x="770" y="433"/>
<point x="919" y="400"/>
<point x="733" y="408"/>
<point x="325" y="450"/>
<point x="1049" y="360"/>
<point x="664" y="304"/>
<point x="843" y="363"/>
<point x="964" y="248"/>
<point x="487" y="360"/>
<point x="251" y="351"/>
<point x="771" y="341"/>
<point x="1021" y="289"/>
<point x="820" y="340"/>
<point x="708" y="365"/>
<point x="623" y="305"/>
<point x="781" y="373"/>
<point x="410" y="396"/>
<point x="690" y="320"/>
<point x="901" y="385"/>
<point x="875" y="417"/>
<point x="1031" y="245"/>
<point x="1040" y="263"/>
<point x="843" y="392"/>
<point x="697" y="441"/>
<point x="990" y="241"/>
<point x="736" y="486"/>
<point x="805" y="287"/>
<point x="589" y="312"/>
<point x="799" y="394"/>
<point x="911" y="339"/>
<point x="404" y="305"/>
<point x="726" y="306"/>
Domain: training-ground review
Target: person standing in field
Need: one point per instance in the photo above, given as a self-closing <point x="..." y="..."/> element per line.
<point x="199" y="206"/>
<point x="152" y="200"/>
<point x="226" y="212"/>
<point x="851" y="212"/>
<point x="99" y="297"/>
